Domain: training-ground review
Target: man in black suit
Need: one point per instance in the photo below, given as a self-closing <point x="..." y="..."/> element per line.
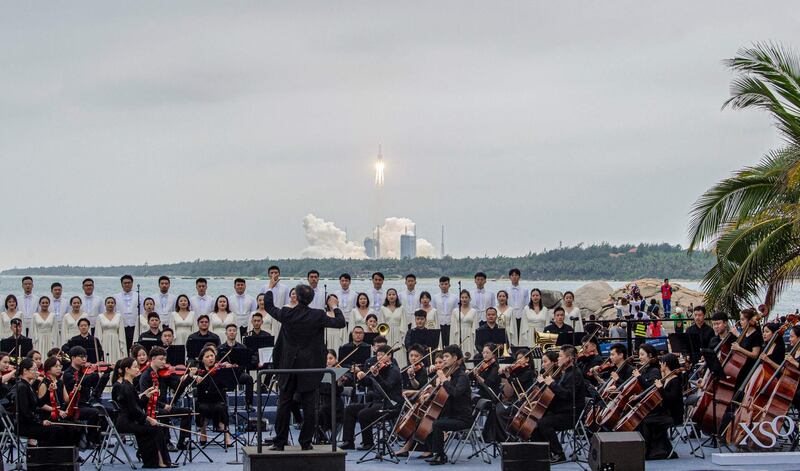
<point x="17" y="345"/>
<point x="301" y="345"/>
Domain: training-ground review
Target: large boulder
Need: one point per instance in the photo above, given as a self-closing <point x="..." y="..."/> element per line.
<point x="593" y="296"/>
<point x="651" y="289"/>
<point x="551" y="298"/>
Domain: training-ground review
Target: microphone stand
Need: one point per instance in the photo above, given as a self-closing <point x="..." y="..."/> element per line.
<point x="137" y="326"/>
<point x="460" y="339"/>
<point x="574" y="457"/>
<point x="18" y="463"/>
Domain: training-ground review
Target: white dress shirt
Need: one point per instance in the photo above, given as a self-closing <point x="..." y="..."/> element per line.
<point x="165" y="305"/>
<point x="376" y="297"/>
<point x="127" y="306"/>
<point x="410" y="302"/>
<point x="347" y="299"/>
<point x="480" y="300"/>
<point x="93" y="306"/>
<point x="280" y="294"/>
<point x="444" y="304"/>
<point x="517" y="298"/>
<point x="201" y="304"/>
<point x="319" y="298"/>
<point x="242" y="305"/>
<point x="59" y="307"/>
<point x="28" y="304"/>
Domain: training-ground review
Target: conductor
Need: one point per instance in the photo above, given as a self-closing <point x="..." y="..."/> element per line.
<point x="302" y="346"/>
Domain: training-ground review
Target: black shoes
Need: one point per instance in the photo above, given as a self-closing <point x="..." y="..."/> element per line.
<point x="306" y="447"/>
<point x="401" y="454"/>
<point x="365" y="447"/>
<point x="347" y="446"/>
<point x="557" y="457"/>
<point x="438" y="460"/>
<point x="276" y="447"/>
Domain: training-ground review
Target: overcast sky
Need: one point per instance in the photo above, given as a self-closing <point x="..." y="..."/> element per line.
<point x="167" y="131"/>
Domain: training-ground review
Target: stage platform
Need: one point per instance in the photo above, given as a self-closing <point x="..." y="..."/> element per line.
<point x="221" y="457"/>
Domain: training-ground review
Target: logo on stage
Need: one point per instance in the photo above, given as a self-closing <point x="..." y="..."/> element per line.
<point x="766" y="434"/>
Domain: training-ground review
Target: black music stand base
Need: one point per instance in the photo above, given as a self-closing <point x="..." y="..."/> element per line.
<point x="381" y="449"/>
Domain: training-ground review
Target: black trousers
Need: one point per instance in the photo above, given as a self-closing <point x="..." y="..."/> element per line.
<point x="445" y="328"/>
<point x="247" y="380"/>
<point x="92" y="417"/>
<point x="129" y="331"/>
<point x="441" y="425"/>
<point x="308" y="400"/>
<point x="656" y="439"/>
<point x="52" y="435"/>
<point x="548" y="426"/>
<point x="216" y="412"/>
<point x="365" y="415"/>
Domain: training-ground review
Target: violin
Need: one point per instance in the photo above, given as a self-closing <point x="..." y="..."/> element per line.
<point x="483" y="367"/>
<point x="170" y="370"/>
<point x="100" y="367"/>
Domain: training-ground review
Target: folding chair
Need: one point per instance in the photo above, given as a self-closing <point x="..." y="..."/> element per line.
<point x="459" y="438"/>
<point x="112" y="442"/>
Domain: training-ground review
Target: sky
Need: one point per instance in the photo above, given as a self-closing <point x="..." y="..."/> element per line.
<point x="135" y="132"/>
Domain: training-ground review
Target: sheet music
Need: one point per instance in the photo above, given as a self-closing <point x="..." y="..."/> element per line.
<point x="265" y="355"/>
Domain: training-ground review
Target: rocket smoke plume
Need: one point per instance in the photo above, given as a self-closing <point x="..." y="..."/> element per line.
<point x="325" y="240"/>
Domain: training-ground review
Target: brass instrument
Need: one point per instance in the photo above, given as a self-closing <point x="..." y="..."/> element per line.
<point x="383" y="329"/>
<point x="545" y="341"/>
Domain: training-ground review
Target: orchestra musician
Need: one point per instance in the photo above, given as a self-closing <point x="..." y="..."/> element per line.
<point x="84" y="383"/>
<point x="590" y="355"/>
<point x="137" y="415"/>
<point x="655" y="426"/>
<point x="647" y="356"/>
<point x="139" y="354"/>
<point x="561" y="415"/>
<point x="157" y="374"/>
<point x="415" y="376"/>
<point x="420" y="318"/>
<point x="242" y="376"/>
<point x="46" y="432"/>
<point x="383" y="381"/>
<point x="794" y="338"/>
<point x="488" y="378"/>
<point x="721" y="329"/>
<point x="622" y="370"/>
<point x="457" y="412"/>
<point x="51" y="392"/>
<point x="749" y="343"/>
<point x="211" y="401"/>
<point x="777" y="351"/>
<point x="324" y="415"/>
<point x="518" y="378"/>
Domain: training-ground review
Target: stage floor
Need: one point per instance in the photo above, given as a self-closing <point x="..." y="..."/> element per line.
<point x="685" y="462"/>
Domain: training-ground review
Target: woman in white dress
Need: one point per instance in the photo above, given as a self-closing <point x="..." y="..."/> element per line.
<point x="148" y="306"/>
<point x="69" y="323"/>
<point x="10" y="312"/>
<point x="270" y="325"/>
<point x="570" y="310"/>
<point x="221" y="316"/>
<point x="425" y="305"/>
<point x="394" y="315"/>
<point x="110" y="331"/>
<point x="464" y="321"/>
<point x="182" y="320"/>
<point x="358" y="316"/>
<point x="334" y="338"/>
<point x="44" y="328"/>
<point x="535" y="317"/>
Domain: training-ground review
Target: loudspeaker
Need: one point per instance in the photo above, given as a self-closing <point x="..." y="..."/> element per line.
<point x="57" y="458"/>
<point x="617" y="451"/>
<point x="525" y="456"/>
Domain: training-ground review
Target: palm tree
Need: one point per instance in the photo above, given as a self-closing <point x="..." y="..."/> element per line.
<point x="751" y="220"/>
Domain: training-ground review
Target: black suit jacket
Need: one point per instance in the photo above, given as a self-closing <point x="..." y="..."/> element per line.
<point x="302" y="340"/>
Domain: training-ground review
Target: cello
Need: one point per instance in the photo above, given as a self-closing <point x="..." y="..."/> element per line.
<point x="645" y="403"/>
<point x="760" y="379"/>
<point x="718" y="393"/>
<point x="604" y="393"/>
<point x="433" y="407"/>
<point x="615" y="409"/>
<point x="536" y="401"/>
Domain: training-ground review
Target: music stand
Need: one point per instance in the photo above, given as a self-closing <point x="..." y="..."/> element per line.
<point x="695" y="345"/>
<point x="570" y="338"/>
<point x="359" y="357"/>
<point x="147" y="342"/>
<point x="254" y="345"/>
<point x="681" y="343"/>
<point x="484" y="336"/>
<point x="176" y="354"/>
<point x="426" y="337"/>
<point x="194" y="346"/>
<point x="369" y="337"/>
<point x="16" y="347"/>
